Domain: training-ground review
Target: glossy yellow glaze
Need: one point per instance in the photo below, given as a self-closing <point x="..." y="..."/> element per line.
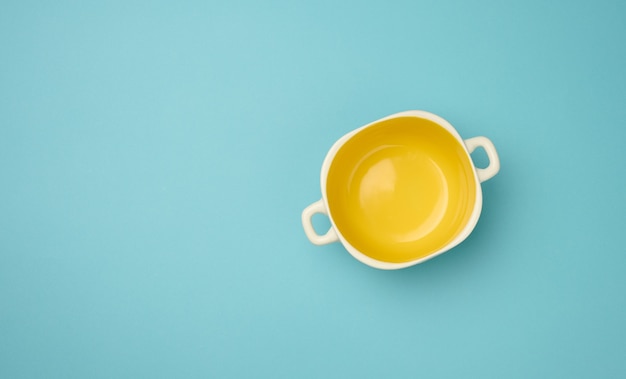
<point x="401" y="189"/>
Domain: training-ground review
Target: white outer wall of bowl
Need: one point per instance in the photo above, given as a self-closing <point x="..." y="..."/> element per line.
<point x="467" y="230"/>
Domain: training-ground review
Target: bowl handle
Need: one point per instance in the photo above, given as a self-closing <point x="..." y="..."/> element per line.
<point x="307" y="215"/>
<point x="490" y="171"/>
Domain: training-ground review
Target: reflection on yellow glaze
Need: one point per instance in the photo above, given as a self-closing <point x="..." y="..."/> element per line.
<point x="401" y="189"/>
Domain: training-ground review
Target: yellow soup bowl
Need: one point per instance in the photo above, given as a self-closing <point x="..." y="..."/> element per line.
<point x="401" y="190"/>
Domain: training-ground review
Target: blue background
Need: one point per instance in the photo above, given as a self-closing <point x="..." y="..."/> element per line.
<point x="155" y="158"/>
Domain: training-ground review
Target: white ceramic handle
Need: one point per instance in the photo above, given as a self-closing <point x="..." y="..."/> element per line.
<point x="490" y="171"/>
<point x="307" y="215"/>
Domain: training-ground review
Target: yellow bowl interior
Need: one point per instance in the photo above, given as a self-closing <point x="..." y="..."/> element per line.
<point x="401" y="189"/>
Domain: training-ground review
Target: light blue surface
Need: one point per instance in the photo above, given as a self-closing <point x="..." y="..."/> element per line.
<point x="155" y="158"/>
